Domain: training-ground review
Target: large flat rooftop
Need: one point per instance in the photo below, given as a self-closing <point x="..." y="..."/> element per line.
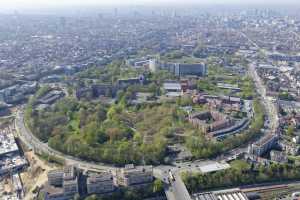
<point x="232" y="194"/>
<point x="131" y="169"/>
<point x="7" y="142"/>
<point x="213" y="167"/>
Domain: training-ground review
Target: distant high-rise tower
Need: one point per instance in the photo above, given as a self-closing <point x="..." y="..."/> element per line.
<point x="116" y="12"/>
<point x="63" y="21"/>
<point x="100" y="16"/>
<point x="174" y="14"/>
<point x="153" y="65"/>
<point x="153" y="13"/>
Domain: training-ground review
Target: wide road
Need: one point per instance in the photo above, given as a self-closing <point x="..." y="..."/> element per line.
<point x="177" y="189"/>
<point x="271" y="110"/>
<point x="174" y="188"/>
<point x="270" y="106"/>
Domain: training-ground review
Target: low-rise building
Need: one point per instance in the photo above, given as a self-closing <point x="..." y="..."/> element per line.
<point x="100" y="183"/>
<point x="70" y="182"/>
<point x="134" y="176"/>
<point x="55" y="177"/>
<point x="54" y="193"/>
<point x="232" y="194"/>
<point x="278" y="156"/>
<point x="210" y="121"/>
<point x="172" y="89"/>
<point x="262" y="146"/>
<point x="124" y="83"/>
<point x="103" y="89"/>
<point x="289" y="147"/>
<point x="70" y="187"/>
<point x="229" y="86"/>
<point x="62" y="184"/>
<point x="8" y="144"/>
<point x="51" y="97"/>
<point x="10" y="159"/>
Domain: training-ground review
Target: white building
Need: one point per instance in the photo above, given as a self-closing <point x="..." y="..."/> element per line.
<point x="100" y="183"/>
<point x="134" y="175"/>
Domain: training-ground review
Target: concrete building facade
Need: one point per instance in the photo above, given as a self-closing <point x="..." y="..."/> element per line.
<point x="100" y="183"/>
<point x="134" y="175"/>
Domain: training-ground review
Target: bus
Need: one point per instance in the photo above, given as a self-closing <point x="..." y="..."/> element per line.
<point x="171" y="177"/>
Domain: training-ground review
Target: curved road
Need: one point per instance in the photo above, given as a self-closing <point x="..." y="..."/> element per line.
<point x="34" y="143"/>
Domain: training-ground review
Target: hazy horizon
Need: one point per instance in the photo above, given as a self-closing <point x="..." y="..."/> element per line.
<point x="65" y="6"/>
<point x="18" y="4"/>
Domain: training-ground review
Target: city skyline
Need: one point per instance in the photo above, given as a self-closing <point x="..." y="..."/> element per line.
<point x="45" y="3"/>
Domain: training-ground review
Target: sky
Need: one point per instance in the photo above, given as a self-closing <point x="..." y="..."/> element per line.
<point x="34" y="4"/>
<point x="29" y="3"/>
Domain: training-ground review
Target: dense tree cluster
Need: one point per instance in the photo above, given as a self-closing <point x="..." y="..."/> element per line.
<point x="117" y="133"/>
<point x="241" y="173"/>
<point x="97" y="132"/>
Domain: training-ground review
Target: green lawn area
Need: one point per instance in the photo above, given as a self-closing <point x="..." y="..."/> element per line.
<point x="74" y="122"/>
<point x="240" y="164"/>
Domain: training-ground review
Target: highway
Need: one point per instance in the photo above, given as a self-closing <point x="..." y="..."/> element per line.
<point x="270" y="106"/>
<point x="261" y="89"/>
<point x="251" y="41"/>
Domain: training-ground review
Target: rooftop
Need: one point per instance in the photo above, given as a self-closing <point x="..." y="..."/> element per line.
<point x="213" y="167"/>
<point x="7" y="142"/>
<point x="99" y="177"/>
<point x="232" y="194"/>
<point x="172" y="86"/>
<point x="133" y="169"/>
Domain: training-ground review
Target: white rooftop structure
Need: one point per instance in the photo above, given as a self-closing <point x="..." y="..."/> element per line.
<point x="213" y="167"/>
<point x="7" y="142"/>
<point x="228" y="86"/>
<point x="10" y="158"/>
<point x="173" y="94"/>
<point x="267" y="66"/>
<point x="230" y="194"/>
<point x="285" y="68"/>
<point x="170" y="86"/>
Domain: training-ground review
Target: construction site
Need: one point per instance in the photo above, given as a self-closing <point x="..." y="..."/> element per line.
<point x="22" y="173"/>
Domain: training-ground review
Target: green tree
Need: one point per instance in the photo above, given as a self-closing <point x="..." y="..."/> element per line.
<point x="158" y="186"/>
<point x="290" y="130"/>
